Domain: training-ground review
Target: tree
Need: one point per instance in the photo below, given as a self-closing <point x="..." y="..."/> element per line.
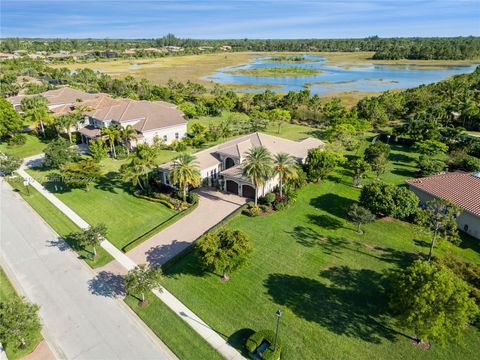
<point x="379" y="165"/>
<point x="320" y="163"/>
<point x="19" y="322"/>
<point x="258" y="167"/>
<point x="431" y="147"/>
<point x="97" y="149"/>
<point x="58" y="152"/>
<point x="142" y="163"/>
<point x="127" y="133"/>
<point x="345" y="134"/>
<point x="66" y="122"/>
<point x="431" y="300"/>
<point x="184" y="173"/>
<point x="388" y="200"/>
<point x="359" y="216"/>
<point x="360" y="168"/>
<point x="81" y="173"/>
<point x="278" y="117"/>
<point x="10" y="120"/>
<point x="111" y="134"/>
<point x="8" y="164"/>
<point x="375" y="150"/>
<point x="36" y="110"/>
<point x="224" y="251"/>
<point x="285" y="167"/>
<point x="92" y="236"/>
<point x="141" y="279"/>
<point x="439" y="217"/>
<point x="428" y="165"/>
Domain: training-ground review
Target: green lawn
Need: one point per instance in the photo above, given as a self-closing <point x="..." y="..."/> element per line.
<point x="33" y="146"/>
<point x="173" y="331"/>
<point x="62" y="225"/>
<point x="110" y="202"/>
<point x="309" y="261"/>
<point x="7" y="292"/>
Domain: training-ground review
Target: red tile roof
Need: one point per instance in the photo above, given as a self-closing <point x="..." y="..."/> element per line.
<point x="460" y="188"/>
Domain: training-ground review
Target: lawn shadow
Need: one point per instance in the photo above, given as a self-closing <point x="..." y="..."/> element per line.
<point x="111" y="182"/>
<point x="333" y="204"/>
<point x="469" y="242"/>
<point x="421" y="243"/>
<point x="159" y="254"/>
<point x="326" y="221"/>
<point x="401" y="158"/>
<point x="239" y="338"/>
<point x="189" y="264"/>
<point x="107" y="284"/>
<point x="352" y="306"/>
<point x="405" y="173"/>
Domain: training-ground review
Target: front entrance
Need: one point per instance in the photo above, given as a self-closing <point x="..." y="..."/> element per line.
<point x="229" y="163"/>
<point x="248" y="191"/>
<point x="232" y="187"/>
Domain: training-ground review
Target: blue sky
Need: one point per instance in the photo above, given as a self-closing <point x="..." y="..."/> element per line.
<point x="239" y="19"/>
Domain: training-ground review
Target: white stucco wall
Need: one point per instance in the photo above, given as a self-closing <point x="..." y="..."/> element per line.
<point x="465" y="218"/>
<point x="169" y="132"/>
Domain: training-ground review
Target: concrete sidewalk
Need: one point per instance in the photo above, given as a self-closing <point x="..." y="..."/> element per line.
<point x="213" y="338"/>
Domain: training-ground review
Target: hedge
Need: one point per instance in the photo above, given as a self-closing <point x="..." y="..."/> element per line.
<point x="160" y="201"/>
<point x="255" y="340"/>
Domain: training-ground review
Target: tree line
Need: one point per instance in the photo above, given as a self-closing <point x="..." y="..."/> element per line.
<point x="455" y="48"/>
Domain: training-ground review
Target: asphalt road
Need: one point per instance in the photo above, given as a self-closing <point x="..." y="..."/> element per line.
<point x="79" y="323"/>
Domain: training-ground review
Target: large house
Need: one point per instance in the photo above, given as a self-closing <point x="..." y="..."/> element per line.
<point x="462" y="189"/>
<point x="222" y="164"/>
<point x="150" y="119"/>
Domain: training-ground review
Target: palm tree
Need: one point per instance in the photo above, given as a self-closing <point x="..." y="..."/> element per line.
<point x="127" y="133"/>
<point x="140" y="166"/>
<point x="258" y="166"/>
<point x="285" y="167"/>
<point x="36" y="111"/>
<point x="184" y="173"/>
<point x="111" y="134"/>
<point x="66" y="122"/>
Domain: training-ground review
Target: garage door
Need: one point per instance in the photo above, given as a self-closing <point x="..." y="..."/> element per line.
<point x="248" y="191"/>
<point x="232" y="187"/>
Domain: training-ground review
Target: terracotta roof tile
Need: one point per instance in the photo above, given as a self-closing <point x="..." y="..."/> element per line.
<point x="460" y="188"/>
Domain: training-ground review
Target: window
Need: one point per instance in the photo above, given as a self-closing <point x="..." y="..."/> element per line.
<point x="177" y="135"/>
<point x="165" y="138"/>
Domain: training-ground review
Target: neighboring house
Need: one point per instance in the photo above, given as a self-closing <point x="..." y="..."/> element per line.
<point x="462" y="189"/>
<point x="222" y="164"/>
<point x="151" y="119"/>
<point x="58" y="99"/>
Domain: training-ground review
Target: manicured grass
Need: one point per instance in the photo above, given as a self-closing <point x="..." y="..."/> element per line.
<point x="62" y="225"/>
<point x="6" y="293"/>
<point x="309" y="261"/>
<point x="277" y="71"/>
<point x="173" y="331"/>
<point x="110" y="202"/>
<point x="33" y="146"/>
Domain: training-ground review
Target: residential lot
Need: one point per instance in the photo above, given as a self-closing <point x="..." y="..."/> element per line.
<point x="309" y="261"/>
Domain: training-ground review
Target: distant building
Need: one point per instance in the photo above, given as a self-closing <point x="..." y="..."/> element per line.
<point x="462" y="189"/>
<point x="5" y="56"/>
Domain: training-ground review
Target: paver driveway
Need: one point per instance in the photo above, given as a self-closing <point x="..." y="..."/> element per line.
<point x="213" y="207"/>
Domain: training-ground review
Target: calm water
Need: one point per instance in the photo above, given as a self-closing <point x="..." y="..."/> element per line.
<point x="364" y="77"/>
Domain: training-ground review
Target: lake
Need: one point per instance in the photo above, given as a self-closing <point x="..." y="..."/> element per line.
<point x="333" y="79"/>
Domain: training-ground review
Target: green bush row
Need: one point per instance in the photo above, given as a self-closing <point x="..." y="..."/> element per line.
<point x="255" y="340"/>
<point x="160" y="201"/>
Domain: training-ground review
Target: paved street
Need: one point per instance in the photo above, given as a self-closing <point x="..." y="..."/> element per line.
<point x="80" y="320"/>
<point x="213" y="207"/>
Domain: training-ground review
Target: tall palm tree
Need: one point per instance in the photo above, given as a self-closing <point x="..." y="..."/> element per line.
<point x="111" y="134"/>
<point x="284" y="166"/>
<point x="36" y="110"/>
<point x="127" y="133"/>
<point x="258" y="166"/>
<point x="66" y="122"/>
<point x="184" y="173"/>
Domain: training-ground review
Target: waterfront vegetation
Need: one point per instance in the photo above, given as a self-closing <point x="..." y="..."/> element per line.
<point x="280" y="71"/>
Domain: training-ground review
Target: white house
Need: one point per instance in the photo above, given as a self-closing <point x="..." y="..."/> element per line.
<point x="222" y="164"/>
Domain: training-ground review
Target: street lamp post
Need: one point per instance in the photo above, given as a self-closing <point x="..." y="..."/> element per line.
<point x="388" y="139"/>
<point x="279" y="315"/>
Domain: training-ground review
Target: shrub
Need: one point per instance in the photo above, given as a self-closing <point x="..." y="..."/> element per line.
<point x="8" y="164"/>
<point x="155" y="199"/>
<point x="280" y="206"/>
<point x="256" y="339"/>
<point x="17" y="140"/>
<point x="121" y="152"/>
<point x="252" y="212"/>
<point x="192" y="198"/>
<point x="268" y="199"/>
<point x="265" y="208"/>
